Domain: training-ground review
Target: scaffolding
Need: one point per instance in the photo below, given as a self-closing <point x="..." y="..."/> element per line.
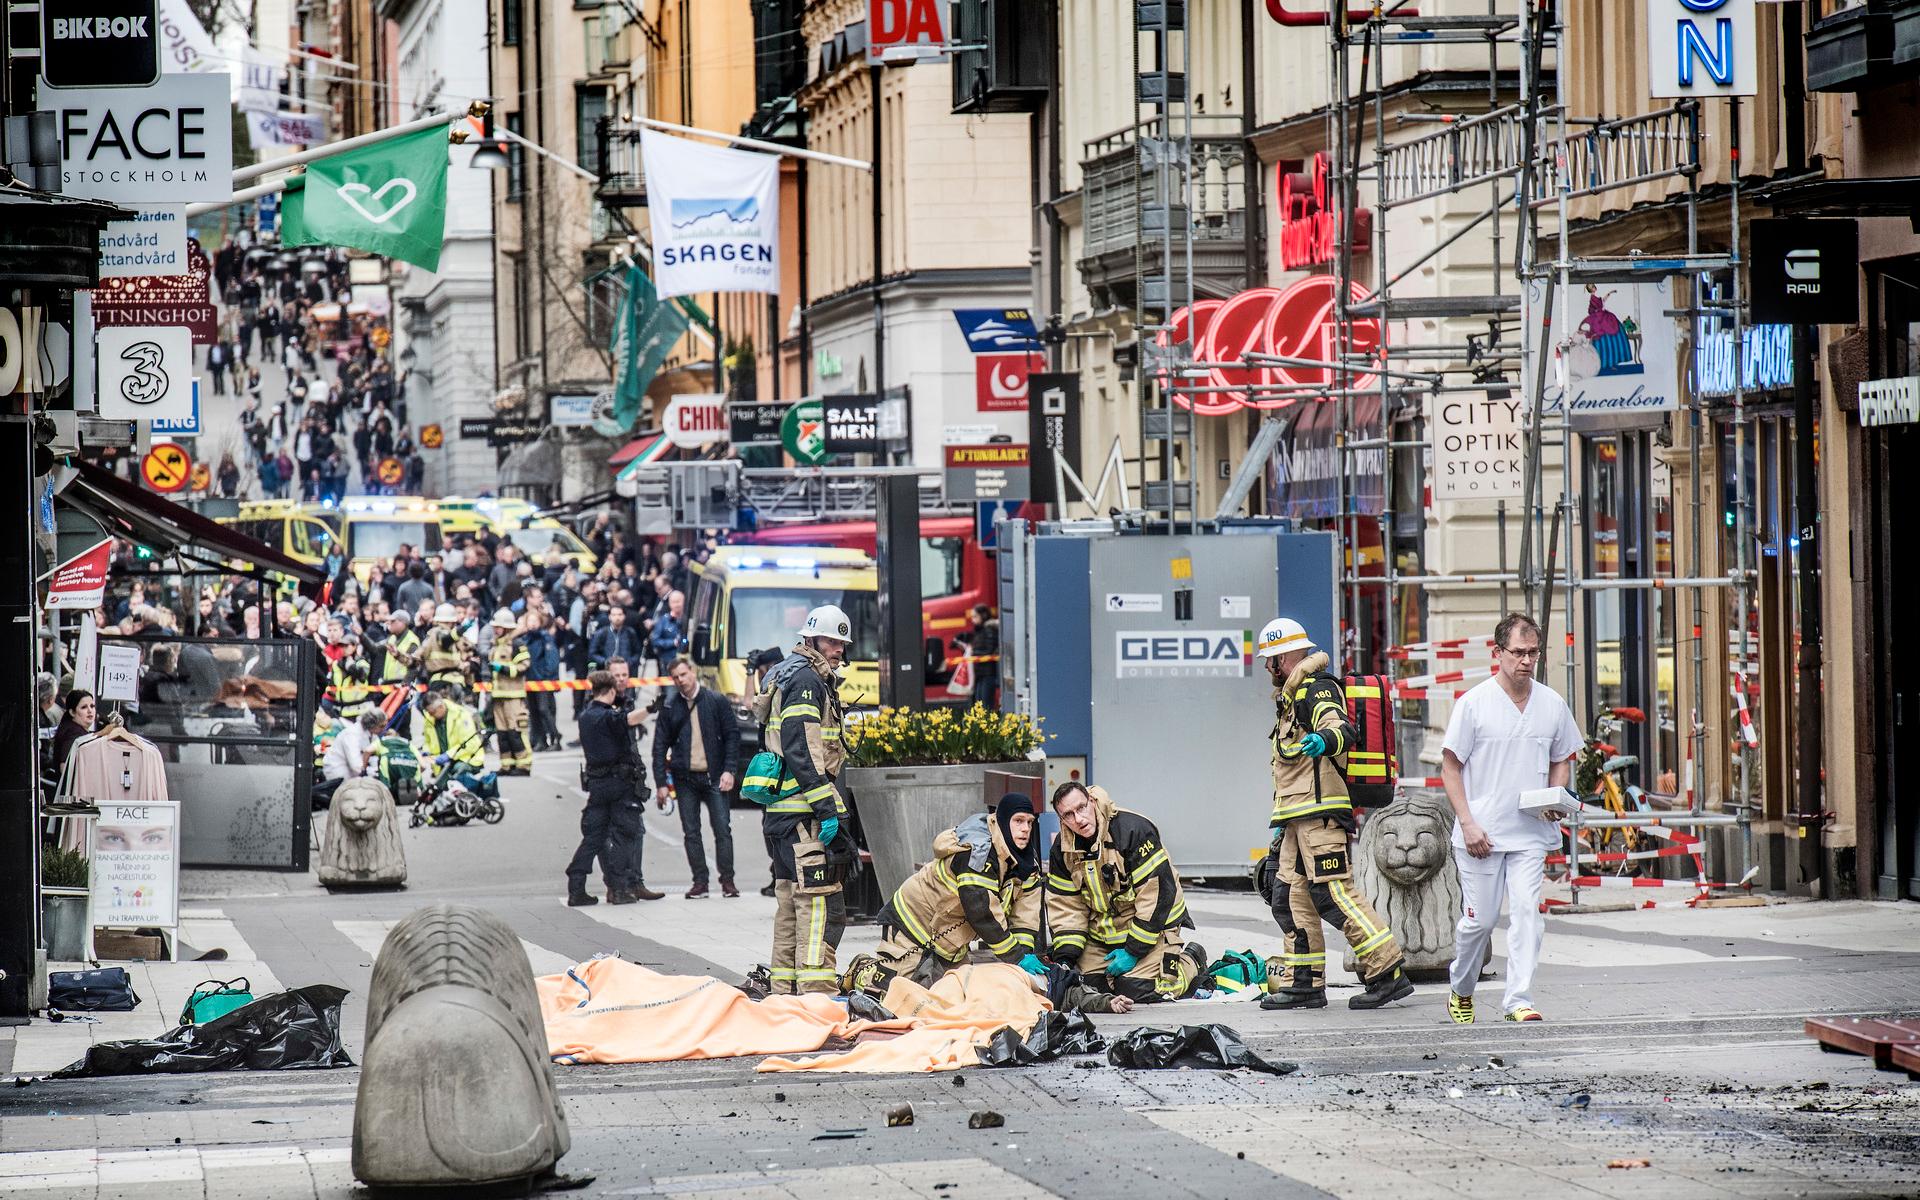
<point x="1532" y="158"/>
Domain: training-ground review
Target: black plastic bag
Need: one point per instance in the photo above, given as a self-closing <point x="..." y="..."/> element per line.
<point x="1213" y="1046"/>
<point x="293" y="1030"/>
<point x="1054" y="1035"/>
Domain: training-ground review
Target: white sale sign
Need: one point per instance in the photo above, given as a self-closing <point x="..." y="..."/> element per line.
<point x="694" y="421"/>
<point x="715" y="216"/>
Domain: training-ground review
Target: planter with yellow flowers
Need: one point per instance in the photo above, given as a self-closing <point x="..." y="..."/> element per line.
<point x="914" y="774"/>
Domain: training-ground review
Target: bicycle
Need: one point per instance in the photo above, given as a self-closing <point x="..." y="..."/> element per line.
<point x="1597" y="780"/>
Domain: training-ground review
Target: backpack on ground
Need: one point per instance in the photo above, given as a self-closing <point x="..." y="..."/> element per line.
<point x="1372" y="762"/>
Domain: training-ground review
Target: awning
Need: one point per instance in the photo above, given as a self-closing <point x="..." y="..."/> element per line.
<point x="126" y="510"/>
<point x="1874" y="196"/>
<point x="647" y="448"/>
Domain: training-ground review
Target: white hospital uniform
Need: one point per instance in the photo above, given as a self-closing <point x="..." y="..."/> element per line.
<point x="1504" y="751"/>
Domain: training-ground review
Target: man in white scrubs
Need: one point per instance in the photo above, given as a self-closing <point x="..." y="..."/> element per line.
<point x="1507" y="736"/>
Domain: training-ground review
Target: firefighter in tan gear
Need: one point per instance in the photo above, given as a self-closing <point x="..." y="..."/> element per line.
<point x="1313" y="832"/>
<point x="446" y="653"/>
<point x="811" y="851"/>
<point x="983" y="884"/>
<point x="1115" y="908"/>
<point x="509" y="662"/>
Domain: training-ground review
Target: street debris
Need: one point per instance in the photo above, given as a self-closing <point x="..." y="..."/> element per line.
<point x="1629" y="1164"/>
<point x="898" y="1115"/>
<point x="986" y="1118"/>
<point x="1054" y="1035"/>
<point x="1454" y="1093"/>
<point x="840" y="1135"/>
<point x="1578" y="1101"/>
<point x="1189" y="1046"/>
<point x="291" y="1030"/>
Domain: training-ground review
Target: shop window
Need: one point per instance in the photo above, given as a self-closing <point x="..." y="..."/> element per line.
<point x="589" y="106"/>
<point x="940" y="561"/>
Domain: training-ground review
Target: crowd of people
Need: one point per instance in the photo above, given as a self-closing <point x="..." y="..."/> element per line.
<point x="310" y="438"/>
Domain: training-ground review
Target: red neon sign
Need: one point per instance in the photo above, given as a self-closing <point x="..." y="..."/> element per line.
<point x="1309" y="222"/>
<point x="1297" y="322"/>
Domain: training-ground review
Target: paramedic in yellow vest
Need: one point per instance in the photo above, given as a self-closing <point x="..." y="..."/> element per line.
<point x="804" y="824"/>
<point x="1115" y="908"/>
<point x="983" y="884"/>
<point x="509" y="663"/>
<point x="347" y="677"/>
<point x="1313" y="828"/>
<point x="400" y="653"/>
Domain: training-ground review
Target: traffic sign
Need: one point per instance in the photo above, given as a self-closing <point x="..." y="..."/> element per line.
<point x="166" y="469"/>
<point x="201" y="478"/>
<point x="802" y="432"/>
<point x="432" y="436"/>
<point x="990" y="514"/>
<point x="391" y="471"/>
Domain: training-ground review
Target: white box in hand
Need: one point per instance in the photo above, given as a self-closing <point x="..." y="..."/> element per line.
<point x="1540" y="800"/>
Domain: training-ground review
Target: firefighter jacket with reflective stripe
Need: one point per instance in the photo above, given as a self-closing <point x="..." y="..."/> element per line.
<point x="348" y="683"/>
<point x="510" y="663"/>
<point x="455" y="735"/>
<point x="1310" y="701"/>
<point x="969" y="891"/>
<point x="394" y="667"/>
<point x="1113" y="889"/>
<point x="446" y="657"/>
<point x="804" y="722"/>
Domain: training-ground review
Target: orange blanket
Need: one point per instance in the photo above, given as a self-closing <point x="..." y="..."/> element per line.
<point x="606" y="1010"/>
<point x="949" y="1022"/>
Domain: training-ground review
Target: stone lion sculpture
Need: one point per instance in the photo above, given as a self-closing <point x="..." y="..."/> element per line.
<point x="1403" y="863"/>
<point x="361" y="847"/>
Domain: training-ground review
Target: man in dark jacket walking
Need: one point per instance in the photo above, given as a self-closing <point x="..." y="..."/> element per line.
<point x="695" y="746"/>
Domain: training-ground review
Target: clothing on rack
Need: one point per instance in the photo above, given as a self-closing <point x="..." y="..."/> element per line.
<point x="113" y="766"/>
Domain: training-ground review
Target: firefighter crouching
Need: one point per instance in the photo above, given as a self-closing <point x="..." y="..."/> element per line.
<point x="510" y="663"/>
<point x="1115" y="908"/>
<point x="1313" y="828"/>
<point x="811" y="852"/>
<point x="446" y="652"/>
<point x="984" y="884"/>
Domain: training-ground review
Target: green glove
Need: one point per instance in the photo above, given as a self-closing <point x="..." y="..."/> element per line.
<point x="1119" y="962"/>
<point x="829" y="829"/>
<point x="1314" y="744"/>
<point x="1032" y="965"/>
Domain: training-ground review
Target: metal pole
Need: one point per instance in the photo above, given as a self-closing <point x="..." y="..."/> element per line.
<point x="757" y="144"/>
<point x="1741" y="535"/>
<point x="1810" y="726"/>
<point x="245" y="174"/>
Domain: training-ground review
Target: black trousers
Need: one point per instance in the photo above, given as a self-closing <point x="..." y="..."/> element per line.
<point x="696" y="795"/>
<point x="612" y="830"/>
<point x="540" y="720"/>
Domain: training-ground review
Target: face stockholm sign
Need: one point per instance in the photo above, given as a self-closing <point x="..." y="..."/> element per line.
<point x="169" y="143"/>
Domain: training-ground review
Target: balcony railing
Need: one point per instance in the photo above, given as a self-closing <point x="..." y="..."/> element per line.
<point x="1127" y="178"/>
<point x="622" y="182"/>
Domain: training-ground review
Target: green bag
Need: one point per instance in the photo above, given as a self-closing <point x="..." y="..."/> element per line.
<point x="1237" y="970"/>
<point x="766" y="779"/>
<point x="216" y="999"/>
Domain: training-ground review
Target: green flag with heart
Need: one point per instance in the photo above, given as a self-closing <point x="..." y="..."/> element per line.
<point x="388" y="198"/>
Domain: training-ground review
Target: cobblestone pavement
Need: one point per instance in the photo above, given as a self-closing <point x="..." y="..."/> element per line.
<point x="1682" y="1028"/>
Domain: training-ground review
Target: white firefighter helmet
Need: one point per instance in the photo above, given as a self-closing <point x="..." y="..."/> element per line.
<point x="446" y="614"/>
<point x="1281" y="635"/>
<point x="504" y="619"/>
<point x="828" y="621"/>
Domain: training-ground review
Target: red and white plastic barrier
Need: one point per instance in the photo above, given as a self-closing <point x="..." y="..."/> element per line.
<point x="1424" y="684"/>
<point x="1620" y="856"/>
<point x="1449" y="648"/>
<point x="1747" y="733"/>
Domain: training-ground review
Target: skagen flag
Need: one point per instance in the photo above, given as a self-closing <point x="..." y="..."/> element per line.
<point x="715" y="215"/>
<point x="388" y="198"/>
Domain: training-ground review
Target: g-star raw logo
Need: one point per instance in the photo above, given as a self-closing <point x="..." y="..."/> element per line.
<point x="147" y="384"/>
<point x="1803" y="265"/>
<point x="350" y="193"/>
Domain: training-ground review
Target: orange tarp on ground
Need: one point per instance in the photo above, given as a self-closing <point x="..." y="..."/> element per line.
<point x="609" y="1011"/>
<point x="951" y="1020"/>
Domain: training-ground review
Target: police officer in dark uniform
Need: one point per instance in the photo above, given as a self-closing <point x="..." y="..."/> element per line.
<point x="611" y="826"/>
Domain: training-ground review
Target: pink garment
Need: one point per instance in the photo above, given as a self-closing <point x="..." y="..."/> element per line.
<point x="117" y="770"/>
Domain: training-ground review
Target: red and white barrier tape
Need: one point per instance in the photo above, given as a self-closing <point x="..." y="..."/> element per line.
<point x="1747" y="733"/>
<point x="1423" y="683"/>
<point x="1449" y="647"/>
<point x="1620" y="856"/>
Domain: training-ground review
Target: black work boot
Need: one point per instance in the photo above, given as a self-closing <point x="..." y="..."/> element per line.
<point x="1280" y="1000"/>
<point x="581" y="900"/>
<point x="1383" y="989"/>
